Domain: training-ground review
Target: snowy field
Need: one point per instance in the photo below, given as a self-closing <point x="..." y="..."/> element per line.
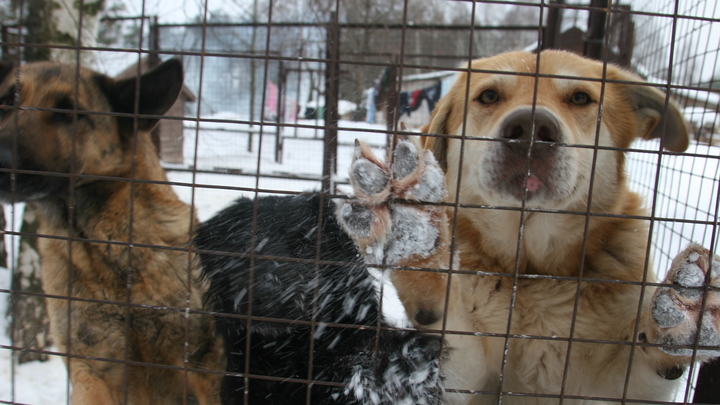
<point x="688" y="187"/>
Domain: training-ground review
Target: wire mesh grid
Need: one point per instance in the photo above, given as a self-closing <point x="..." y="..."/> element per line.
<point x="273" y="102"/>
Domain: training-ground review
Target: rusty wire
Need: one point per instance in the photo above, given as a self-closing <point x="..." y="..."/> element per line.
<point x="656" y="57"/>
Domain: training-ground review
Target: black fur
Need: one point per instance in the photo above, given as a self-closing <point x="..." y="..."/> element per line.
<point x="399" y="366"/>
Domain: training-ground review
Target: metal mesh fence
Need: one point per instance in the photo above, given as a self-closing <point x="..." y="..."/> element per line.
<point x="272" y="103"/>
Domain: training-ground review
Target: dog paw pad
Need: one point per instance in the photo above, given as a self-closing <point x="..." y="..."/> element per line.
<point x="405" y="160"/>
<point x="376" y="220"/>
<point x="357" y="219"/>
<point x="682" y="313"/>
<point x="368" y="177"/>
<point x="666" y="312"/>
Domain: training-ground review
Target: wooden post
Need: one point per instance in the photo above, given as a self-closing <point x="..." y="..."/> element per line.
<point x="595" y="42"/>
<point x="332" y="96"/>
<point x="552" y="27"/>
<point x="625" y="32"/>
<point x="154" y="56"/>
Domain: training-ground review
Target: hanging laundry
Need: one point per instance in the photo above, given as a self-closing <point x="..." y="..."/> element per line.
<point x="416" y="98"/>
<point x="404" y="106"/>
<point x="411" y="101"/>
<point x="432" y="95"/>
<point x="271" y="100"/>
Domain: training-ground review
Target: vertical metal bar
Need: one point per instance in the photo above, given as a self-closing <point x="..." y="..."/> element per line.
<point x="707" y="389"/>
<point x="332" y="95"/>
<point x="298" y="112"/>
<point x="254" y="226"/>
<point x="392" y="99"/>
<point x="282" y="77"/>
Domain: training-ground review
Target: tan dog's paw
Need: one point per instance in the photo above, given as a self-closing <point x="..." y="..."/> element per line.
<point x="385" y="229"/>
<point x="676" y="309"/>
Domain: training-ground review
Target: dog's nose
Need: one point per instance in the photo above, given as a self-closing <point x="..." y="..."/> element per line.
<point x="524" y="125"/>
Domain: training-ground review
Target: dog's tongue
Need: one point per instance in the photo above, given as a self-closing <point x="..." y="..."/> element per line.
<point x="533" y="183"/>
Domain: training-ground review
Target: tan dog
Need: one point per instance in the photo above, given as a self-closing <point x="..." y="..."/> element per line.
<point x="519" y="265"/>
<point x="109" y="303"/>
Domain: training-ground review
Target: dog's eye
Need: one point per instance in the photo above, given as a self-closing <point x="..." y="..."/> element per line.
<point x="63" y="118"/>
<point x="7" y="101"/>
<point x="6" y="104"/>
<point x="580" y="98"/>
<point x="66" y="117"/>
<point x="488" y="97"/>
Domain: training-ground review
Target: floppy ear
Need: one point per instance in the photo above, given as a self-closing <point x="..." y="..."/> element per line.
<point x="5" y="69"/>
<point x="438" y="125"/>
<point x="159" y="89"/>
<point x="669" y="125"/>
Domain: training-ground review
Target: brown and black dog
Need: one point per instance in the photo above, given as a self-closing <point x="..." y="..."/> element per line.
<point x="115" y="264"/>
<point x="550" y="302"/>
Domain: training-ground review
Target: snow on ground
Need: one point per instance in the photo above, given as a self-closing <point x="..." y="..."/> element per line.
<point x="685" y="204"/>
<point x="225" y="145"/>
<point x="688" y="187"/>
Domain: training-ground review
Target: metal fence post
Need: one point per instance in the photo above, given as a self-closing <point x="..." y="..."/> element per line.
<point x="282" y="77"/>
<point x="332" y="95"/>
<point x="392" y="101"/>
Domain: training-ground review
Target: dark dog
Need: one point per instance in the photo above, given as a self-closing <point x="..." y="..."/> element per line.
<point x="301" y="306"/>
<point x="62" y="151"/>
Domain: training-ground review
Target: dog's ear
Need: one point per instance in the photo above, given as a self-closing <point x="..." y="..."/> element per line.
<point x="159" y="89"/>
<point x="656" y="122"/>
<point x="438" y="126"/>
<point x="5" y="69"/>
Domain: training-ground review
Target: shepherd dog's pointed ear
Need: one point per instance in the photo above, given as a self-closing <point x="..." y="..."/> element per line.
<point x="159" y="89"/>
<point x="5" y="69"/>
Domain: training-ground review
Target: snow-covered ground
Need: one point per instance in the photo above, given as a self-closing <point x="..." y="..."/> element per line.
<point x="688" y="191"/>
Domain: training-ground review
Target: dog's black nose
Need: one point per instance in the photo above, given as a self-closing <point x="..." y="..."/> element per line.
<point x="523" y="125"/>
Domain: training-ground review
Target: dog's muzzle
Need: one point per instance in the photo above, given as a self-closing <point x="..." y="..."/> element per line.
<point x="528" y="156"/>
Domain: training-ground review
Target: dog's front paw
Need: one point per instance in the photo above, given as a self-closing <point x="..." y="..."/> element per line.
<point x="677" y="309"/>
<point x="385" y="221"/>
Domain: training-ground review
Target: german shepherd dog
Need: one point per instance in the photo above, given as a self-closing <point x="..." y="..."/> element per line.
<point x="121" y="284"/>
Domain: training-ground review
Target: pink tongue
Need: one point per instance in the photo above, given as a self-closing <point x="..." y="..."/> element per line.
<point x="533" y="183"/>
